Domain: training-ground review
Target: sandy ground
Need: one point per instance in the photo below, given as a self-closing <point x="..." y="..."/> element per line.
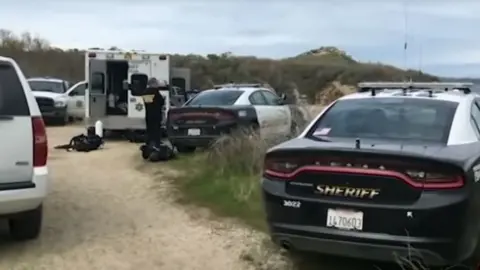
<point x="103" y="213"/>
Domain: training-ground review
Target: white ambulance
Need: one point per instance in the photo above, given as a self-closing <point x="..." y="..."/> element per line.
<point x="106" y="98"/>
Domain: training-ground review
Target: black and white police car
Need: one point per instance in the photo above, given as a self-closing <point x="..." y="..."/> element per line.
<point x="391" y="169"/>
<point x="211" y="113"/>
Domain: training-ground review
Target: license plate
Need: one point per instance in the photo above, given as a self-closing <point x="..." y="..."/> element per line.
<point x="345" y="219"/>
<point x="193" y="132"/>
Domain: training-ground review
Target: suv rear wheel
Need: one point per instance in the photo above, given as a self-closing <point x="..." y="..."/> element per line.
<point x="27" y="225"/>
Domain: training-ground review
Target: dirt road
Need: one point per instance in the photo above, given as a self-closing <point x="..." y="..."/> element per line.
<point x="102" y="213"/>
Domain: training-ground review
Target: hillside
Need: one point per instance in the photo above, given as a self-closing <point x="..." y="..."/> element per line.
<point x="311" y="72"/>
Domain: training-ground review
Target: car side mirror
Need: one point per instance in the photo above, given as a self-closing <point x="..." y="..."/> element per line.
<point x="281" y="101"/>
<point x="73" y="93"/>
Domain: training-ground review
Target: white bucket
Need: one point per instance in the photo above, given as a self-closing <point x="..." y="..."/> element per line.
<point x="99" y="128"/>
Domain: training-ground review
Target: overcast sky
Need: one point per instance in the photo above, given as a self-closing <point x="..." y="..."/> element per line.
<point x="443" y="35"/>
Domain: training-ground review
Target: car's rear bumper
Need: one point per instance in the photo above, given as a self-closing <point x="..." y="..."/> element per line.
<point x="442" y="229"/>
<point x="394" y="250"/>
<point x="193" y="141"/>
<point x="19" y="200"/>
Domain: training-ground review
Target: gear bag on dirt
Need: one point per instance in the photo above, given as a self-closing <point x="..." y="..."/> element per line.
<point x="83" y="143"/>
<point x="158" y="153"/>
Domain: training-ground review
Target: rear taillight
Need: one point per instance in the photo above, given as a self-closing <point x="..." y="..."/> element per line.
<point x="281" y="167"/>
<point x="224" y="116"/>
<point x="40" y="145"/>
<point x="288" y="168"/>
<point x="173" y="116"/>
<point x="435" y="180"/>
<point x="217" y="115"/>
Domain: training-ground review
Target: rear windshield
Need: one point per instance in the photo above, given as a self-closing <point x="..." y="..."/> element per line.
<point x="387" y="118"/>
<point x="12" y="96"/>
<point x="216" y="98"/>
<point x="47" y="86"/>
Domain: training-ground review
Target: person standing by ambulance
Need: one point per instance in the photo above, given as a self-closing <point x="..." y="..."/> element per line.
<point x="154" y="102"/>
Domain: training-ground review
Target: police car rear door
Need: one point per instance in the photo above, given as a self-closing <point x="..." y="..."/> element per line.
<point x="265" y="113"/>
<point x="281" y="116"/>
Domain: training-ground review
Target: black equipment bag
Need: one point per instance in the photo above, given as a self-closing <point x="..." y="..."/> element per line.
<point x="83" y="143"/>
<point x="158" y="153"/>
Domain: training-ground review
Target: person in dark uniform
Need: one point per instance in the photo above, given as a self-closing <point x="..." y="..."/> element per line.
<point x="154" y="103"/>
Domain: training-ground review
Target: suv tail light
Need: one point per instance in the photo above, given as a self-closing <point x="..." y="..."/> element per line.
<point x="40" y="144"/>
<point x="430" y="178"/>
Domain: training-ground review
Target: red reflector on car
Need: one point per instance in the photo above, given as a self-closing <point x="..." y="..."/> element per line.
<point x="40" y="143"/>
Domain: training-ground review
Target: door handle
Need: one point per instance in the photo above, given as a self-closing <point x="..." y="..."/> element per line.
<point x="94" y="99"/>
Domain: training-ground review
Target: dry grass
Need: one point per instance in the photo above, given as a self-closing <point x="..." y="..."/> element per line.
<point x="226" y="178"/>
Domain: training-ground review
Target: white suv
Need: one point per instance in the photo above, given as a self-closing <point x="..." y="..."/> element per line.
<point x="23" y="159"/>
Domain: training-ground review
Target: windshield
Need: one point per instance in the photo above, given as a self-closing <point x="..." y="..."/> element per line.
<point x="215" y="98"/>
<point x="387" y="118"/>
<point x="47" y="86"/>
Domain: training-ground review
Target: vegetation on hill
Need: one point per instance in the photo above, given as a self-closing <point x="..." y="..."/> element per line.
<point x="310" y="72"/>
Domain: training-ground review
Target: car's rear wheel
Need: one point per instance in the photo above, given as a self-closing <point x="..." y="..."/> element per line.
<point x="185" y="149"/>
<point x="27" y="225"/>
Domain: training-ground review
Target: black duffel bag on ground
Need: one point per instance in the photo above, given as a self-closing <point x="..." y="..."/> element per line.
<point x="154" y="153"/>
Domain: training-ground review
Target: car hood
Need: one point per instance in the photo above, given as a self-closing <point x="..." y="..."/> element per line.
<point x="46" y="94"/>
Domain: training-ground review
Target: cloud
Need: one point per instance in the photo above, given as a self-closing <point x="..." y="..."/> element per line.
<point x="440" y="34"/>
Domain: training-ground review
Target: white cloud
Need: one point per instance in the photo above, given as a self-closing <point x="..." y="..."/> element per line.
<point x="439" y="32"/>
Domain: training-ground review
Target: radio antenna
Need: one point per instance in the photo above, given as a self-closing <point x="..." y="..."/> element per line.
<point x="405" y="44"/>
<point x="420" y="59"/>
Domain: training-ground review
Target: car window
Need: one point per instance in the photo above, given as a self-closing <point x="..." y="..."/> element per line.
<point x="215" y="98"/>
<point x="257" y="98"/>
<point x="387" y="118"/>
<point x="79" y="90"/>
<point x="271" y="98"/>
<point x="12" y="96"/>
<point x="475" y="113"/>
<point x="47" y="86"/>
